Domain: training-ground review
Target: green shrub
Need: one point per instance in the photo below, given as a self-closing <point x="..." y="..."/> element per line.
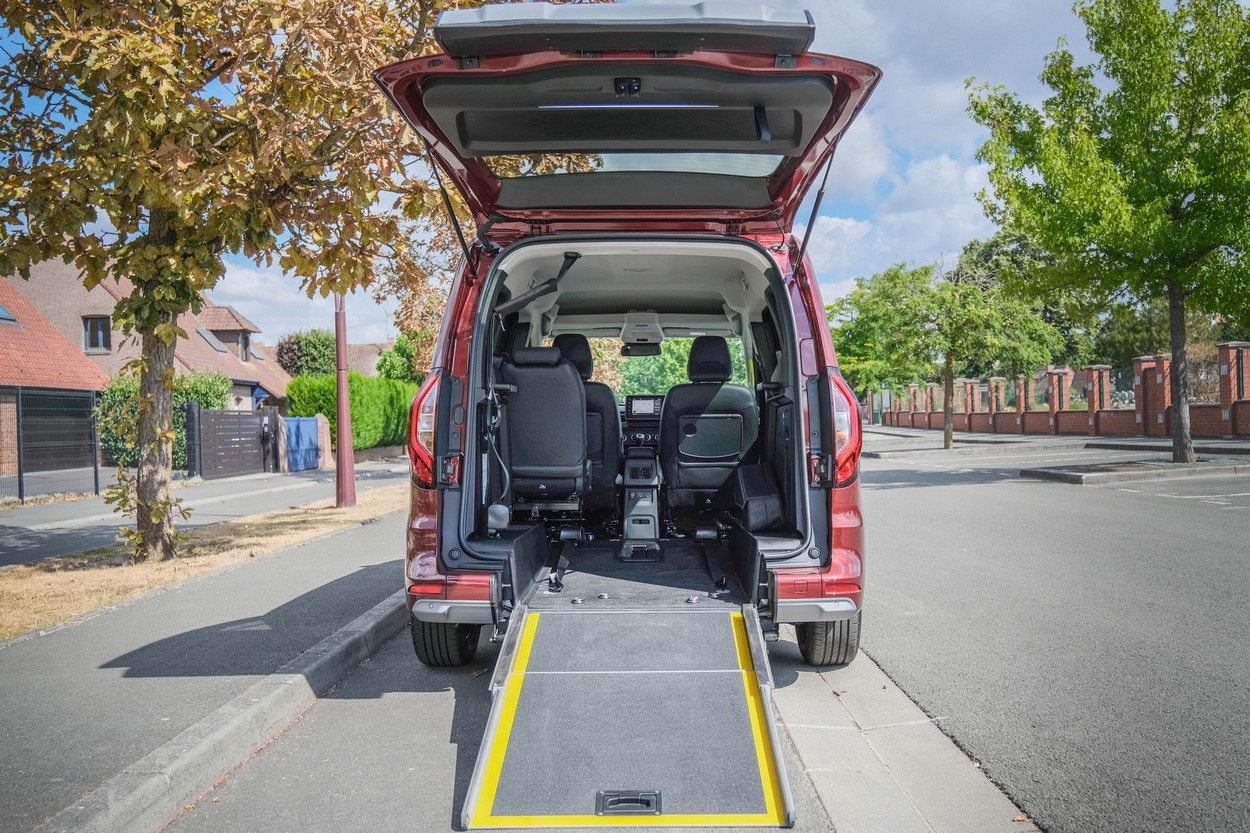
<point x="308" y="353"/>
<point x="379" y="407"/>
<point x="117" y="413"/>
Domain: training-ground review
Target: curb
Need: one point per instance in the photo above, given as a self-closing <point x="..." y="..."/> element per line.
<point x="148" y="794"/>
<point x="1095" y="478"/>
<point x="1167" y="447"/>
<point x="975" y="450"/>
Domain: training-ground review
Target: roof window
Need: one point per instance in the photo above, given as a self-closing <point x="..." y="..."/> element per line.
<point x="212" y="340"/>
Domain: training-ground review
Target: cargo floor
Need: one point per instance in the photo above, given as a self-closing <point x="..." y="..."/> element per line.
<point x="661" y="703"/>
<point x="679" y="575"/>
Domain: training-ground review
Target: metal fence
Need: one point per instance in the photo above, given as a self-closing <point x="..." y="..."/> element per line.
<point x="47" y="443"/>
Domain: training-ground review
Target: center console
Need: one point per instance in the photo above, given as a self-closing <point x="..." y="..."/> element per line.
<point x="642" y="420"/>
<point x="642" y="503"/>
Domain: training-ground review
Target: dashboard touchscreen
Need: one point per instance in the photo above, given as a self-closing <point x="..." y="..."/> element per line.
<point x="643" y="407"/>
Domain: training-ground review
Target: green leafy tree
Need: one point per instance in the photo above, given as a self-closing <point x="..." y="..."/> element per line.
<point x="879" y="337"/>
<point x="970" y="319"/>
<point x="308" y="353"/>
<point x="146" y="140"/>
<point x="1132" y="174"/>
<point x="399" y="361"/>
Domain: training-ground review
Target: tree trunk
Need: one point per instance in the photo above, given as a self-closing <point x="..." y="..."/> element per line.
<point x="156" y="450"/>
<point x="1182" y="440"/>
<point x="948" y="402"/>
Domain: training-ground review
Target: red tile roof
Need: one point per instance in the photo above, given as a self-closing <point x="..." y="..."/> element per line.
<point x="33" y="353"/>
<point x="226" y="318"/>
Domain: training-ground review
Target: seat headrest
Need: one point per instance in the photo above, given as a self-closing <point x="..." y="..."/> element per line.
<point x="709" y="360"/>
<point x="576" y="351"/>
<point x="535" y="356"/>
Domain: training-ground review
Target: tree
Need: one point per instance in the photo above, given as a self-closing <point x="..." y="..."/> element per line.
<point x="970" y="319"/>
<point x="1132" y="173"/>
<point x="144" y="141"/>
<point x="878" y="335"/>
<point x="656" y="374"/>
<point x="397" y="362"/>
<point x="308" y="353"/>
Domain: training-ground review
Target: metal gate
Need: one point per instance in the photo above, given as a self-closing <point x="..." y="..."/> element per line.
<point x="49" y="442"/>
<point x="230" y="442"/>
<point x="302" y="449"/>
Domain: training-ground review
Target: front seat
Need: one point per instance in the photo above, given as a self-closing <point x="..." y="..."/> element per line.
<point x="545" y="425"/>
<point x="706" y="428"/>
<point x="603" y="423"/>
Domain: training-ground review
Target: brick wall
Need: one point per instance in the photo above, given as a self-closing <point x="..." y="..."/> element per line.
<point x="903" y="419"/>
<point x="8" y="433"/>
<point x="1072" y="422"/>
<point x="1241" y="417"/>
<point x="1207" y="421"/>
<point x="1008" y="422"/>
<point x="1118" y="424"/>
<point x="981" y="423"/>
<point x="1038" y="422"/>
<point x="938" y="420"/>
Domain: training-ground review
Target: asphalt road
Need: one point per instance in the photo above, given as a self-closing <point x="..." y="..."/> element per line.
<point x="1087" y="645"/>
<point x="33" y="533"/>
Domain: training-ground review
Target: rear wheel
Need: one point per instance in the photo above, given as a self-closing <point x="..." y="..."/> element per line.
<point x="829" y="643"/>
<point x="441" y="645"/>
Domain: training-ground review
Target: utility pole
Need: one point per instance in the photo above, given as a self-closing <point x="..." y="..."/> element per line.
<point x="345" y="460"/>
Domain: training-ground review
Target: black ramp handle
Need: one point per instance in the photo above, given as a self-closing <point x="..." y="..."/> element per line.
<point x="627" y="802"/>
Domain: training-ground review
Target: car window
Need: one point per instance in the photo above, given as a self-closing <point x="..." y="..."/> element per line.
<point x="656" y="374"/>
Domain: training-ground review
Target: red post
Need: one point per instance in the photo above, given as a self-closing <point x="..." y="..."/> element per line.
<point x="345" y="459"/>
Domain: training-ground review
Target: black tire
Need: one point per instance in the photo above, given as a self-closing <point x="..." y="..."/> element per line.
<point x="829" y="643"/>
<point x="441" y="646"/>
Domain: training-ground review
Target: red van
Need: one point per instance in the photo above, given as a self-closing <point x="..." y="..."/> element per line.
<point x="634" y="173"/>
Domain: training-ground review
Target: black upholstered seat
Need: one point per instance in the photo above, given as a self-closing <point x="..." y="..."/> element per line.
<point x="706" y="427"/>
<point x="546" y="425"/>
<point x="603" y="423"/>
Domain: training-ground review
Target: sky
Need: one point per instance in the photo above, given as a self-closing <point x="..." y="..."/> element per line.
<point x="904" y="182"/>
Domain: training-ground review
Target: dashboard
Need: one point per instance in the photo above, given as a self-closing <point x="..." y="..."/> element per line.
<point x="643" y="407"/>
<point x="642" y="420"/>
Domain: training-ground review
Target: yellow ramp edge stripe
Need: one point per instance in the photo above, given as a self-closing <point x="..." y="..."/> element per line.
<point x="773" y="815"/>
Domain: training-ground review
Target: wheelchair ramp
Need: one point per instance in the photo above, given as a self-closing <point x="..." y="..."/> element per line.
<point x="630" y="718"/>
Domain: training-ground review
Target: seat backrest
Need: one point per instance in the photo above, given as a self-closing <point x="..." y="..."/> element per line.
<point x="546" y="424"/>
<point x="603" y="422"/>
<point x="706" y="427"/>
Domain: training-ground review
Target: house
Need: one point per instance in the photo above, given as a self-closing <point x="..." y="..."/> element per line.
<point x="36" y="356"/>
<point x="219" y="338"/>
<point x="363" y="358"/>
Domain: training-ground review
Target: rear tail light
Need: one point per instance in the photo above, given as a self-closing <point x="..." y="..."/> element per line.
<point x="848" y="437"/>
<point x="421" y="431"/>
<point x="456" y="586"/>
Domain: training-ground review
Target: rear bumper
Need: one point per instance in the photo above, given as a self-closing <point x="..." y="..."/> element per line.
<point x="454" y="612"/>
<point x="814" y="610"/>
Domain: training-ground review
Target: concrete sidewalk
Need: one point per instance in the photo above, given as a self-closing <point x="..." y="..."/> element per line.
<point x="85" y="701"/>
<point x="33" y="533"/>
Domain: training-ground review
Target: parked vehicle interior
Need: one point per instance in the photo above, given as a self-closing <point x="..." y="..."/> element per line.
<point x="700" y="477"/>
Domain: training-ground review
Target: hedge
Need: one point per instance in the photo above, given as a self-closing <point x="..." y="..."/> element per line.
<point x="379" y="406"/>
<point x="118" y="406"/>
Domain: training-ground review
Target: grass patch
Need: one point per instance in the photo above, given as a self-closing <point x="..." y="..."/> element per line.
<point x="56" y="590"/>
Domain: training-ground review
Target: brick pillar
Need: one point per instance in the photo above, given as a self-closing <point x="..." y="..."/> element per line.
<point x="1234" y="386"/>
<point x="1099" y="394"/>
<point x="1054" y="397"/>
<point x="1024" y="392"/>
<point x="930" y="393"/>
<point x="1163" y="381"/>
<point x="913" y="396"/>
<point x="1234" y="381"/>
<point x="998" y="387"/>
<point x="1143" y="372"/>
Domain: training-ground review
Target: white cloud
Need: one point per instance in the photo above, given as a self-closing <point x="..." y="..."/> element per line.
<point x="278" y="305"/>
<point x="862" y="162"/>
<point x="930" y="214"/>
